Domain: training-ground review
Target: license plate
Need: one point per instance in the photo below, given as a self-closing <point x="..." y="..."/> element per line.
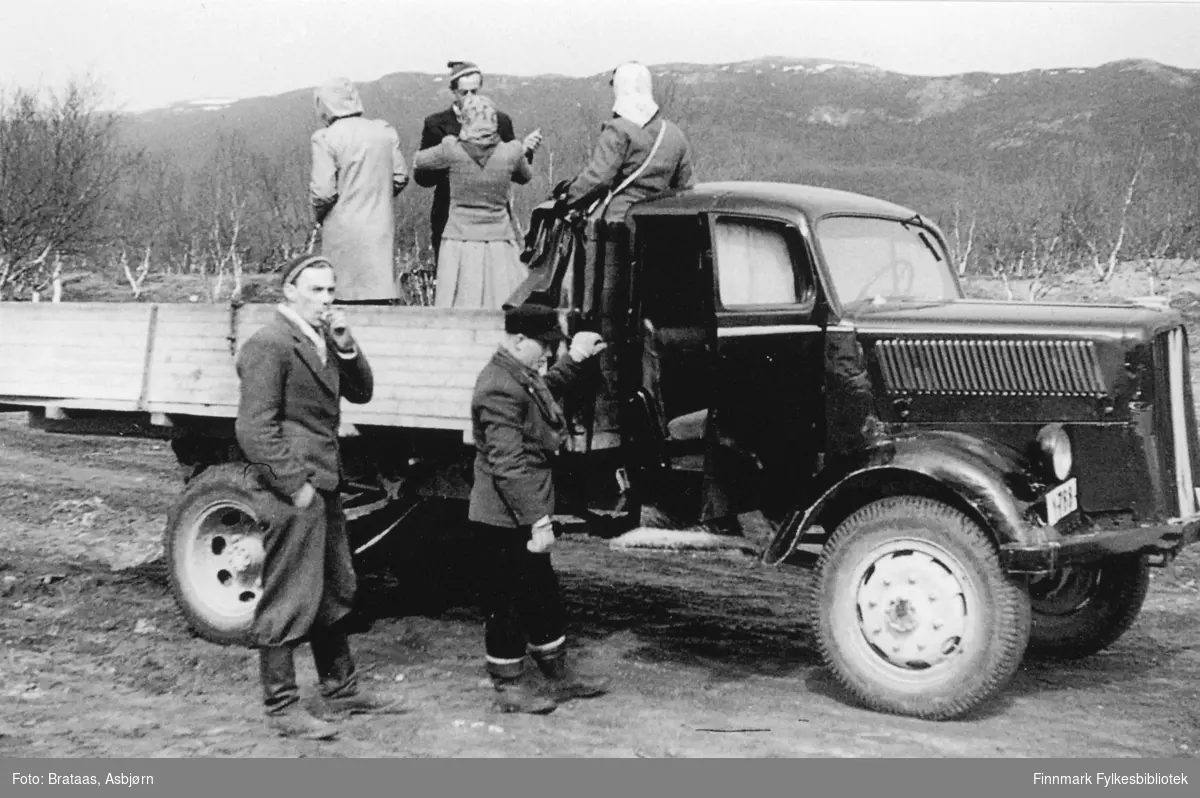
<point x="1061" y="502"/>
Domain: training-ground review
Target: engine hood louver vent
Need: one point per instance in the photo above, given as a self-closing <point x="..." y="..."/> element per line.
<point x="990" y="367"/>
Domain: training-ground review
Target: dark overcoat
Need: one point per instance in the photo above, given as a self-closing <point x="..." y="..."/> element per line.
<point x="289" y="409"/>
<point x="437" y="127"/>
<point x="518" y="428"/>
<point x="288" y="417"/>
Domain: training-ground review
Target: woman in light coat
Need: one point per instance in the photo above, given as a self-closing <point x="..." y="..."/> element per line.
<point x="357" y="170"/>
<point x="479" y="263"/>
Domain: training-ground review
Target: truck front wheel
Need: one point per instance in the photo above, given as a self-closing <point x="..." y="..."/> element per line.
<point x="1081" y="610"/>
<point x="214" y="551"/>
<point x="914" y="614"/>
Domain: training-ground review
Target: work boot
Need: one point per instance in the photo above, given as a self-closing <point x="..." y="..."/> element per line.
<point x="520" y="694"/>
<point x="281" y="698"/>
<point x="565" y="682"/>
<point x="297" y="722"/>
<point x="364" y="702"/>
<point x="339" y="688"/>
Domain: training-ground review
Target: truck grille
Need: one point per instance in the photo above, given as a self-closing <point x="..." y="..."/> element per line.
<point x="1174" y="417"/>
<point x="991" y="367"/>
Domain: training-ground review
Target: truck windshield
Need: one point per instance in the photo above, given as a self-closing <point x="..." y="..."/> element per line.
<point x="878" y="260"/>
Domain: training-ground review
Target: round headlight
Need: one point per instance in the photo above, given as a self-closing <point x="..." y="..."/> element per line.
<point x="1056" y="449"/>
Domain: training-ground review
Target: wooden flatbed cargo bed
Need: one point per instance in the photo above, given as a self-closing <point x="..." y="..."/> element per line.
<point x="178" y="359"/>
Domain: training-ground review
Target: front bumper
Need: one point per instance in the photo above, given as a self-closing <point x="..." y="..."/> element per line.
<point x="1165" y="539"/>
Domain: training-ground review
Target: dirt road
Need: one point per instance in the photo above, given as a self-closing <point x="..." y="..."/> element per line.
<point x="707" y="651"/>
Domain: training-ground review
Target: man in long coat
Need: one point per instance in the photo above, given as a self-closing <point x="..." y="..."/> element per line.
<point x="465" y="79"/>
<point x="294" y="372"/>
<point x="357" y="171"/>
<point x="518" y="429"/>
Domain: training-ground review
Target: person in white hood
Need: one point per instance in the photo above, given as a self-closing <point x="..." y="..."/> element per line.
<point x="639" y="154"/>
<point x="357" y="171"/>
<point x="626" y="142"/>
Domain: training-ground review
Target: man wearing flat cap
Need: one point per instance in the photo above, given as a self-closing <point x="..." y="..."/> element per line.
<point x="519" y="428"/>
<point x="465" y="79"/>
<point x="293" y="373"/>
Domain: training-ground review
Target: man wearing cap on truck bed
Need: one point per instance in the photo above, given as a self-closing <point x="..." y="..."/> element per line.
<point x="293" y="373"/>
<point x="465" y="79"/>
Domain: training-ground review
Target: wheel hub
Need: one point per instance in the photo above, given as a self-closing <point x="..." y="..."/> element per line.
<point x="911" y="608"/>
<point x="901" y="616"/>
<point x="224" y="560"/>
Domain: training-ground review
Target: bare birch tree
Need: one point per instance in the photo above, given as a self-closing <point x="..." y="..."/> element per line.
<point x="60" y="162"/>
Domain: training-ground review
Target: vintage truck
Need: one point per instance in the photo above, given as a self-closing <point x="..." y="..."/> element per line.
<point x="972" y="481"/>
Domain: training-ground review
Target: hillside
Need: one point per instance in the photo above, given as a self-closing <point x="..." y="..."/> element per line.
<point x="824" y="112"/>
<point x="1015" y="151"/>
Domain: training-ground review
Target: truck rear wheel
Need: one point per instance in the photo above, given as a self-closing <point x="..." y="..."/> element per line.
<point x="214" y="551"/>
<point x="1079" y="611"/>
<point x="914" y="614"/>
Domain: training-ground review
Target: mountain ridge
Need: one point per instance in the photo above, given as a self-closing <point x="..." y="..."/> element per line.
<point x="933" y="143"/>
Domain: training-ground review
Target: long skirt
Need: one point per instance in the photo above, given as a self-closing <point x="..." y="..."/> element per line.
<point x="477" y="274"/>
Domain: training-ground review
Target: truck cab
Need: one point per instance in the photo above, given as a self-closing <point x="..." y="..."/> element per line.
<point x="971" y="480"/>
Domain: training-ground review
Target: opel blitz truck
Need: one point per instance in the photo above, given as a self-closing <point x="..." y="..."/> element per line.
<point x="972" y="481"/>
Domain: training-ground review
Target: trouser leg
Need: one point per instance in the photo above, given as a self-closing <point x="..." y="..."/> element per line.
<point x="610" y="263"/>
<point x="340" y="583"/>
<point x="508" y="614"/>
<point x="336" y="672"/>
<point x="277" y="673"/>
<point x="504" y="606"/>
<point x="542" y="613"/>
<point x="293" y="574"/>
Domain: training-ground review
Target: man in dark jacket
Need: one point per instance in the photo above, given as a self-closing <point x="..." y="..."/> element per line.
<point x="518" y="429"/>
<point x="293" y="373"/>
<point x="465" y="78"/>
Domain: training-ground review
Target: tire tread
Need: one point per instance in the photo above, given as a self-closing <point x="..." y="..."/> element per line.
<point x="1011" y="609"/>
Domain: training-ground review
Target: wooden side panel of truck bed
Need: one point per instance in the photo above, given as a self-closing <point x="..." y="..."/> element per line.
<point x="178" y="359"/>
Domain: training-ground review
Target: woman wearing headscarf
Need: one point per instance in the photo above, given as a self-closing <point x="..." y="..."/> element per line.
<point x="639" y="154"/>
<point x="357" y="170"/>
<point x="479" y="263"/>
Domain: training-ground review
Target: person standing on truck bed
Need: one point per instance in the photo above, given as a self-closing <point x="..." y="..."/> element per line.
<point x="479" y="262"/>
<point x="518" y="429"/>
<point x="466" y="79"/>
<point x="293" y="373"/>
<point x="357" y="171"/>
<point x="639" y="154"/>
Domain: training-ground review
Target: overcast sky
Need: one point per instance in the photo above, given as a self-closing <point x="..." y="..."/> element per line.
<point x="149" y="53"/>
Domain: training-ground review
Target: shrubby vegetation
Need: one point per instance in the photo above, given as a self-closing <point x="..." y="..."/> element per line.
<point x="80" y="191"/>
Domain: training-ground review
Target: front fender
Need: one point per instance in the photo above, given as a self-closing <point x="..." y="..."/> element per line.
<point x="988" y="477"/>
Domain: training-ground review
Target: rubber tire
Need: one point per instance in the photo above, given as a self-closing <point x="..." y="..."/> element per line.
<point x="1004" y="618"/>
<point x="1123" y="582"/>
<point x="229" y="481"/>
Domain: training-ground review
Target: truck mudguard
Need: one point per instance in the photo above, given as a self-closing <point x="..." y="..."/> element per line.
<point x="990" y="478"/>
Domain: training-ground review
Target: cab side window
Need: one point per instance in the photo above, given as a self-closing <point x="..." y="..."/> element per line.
<point x="756" y="263"/>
